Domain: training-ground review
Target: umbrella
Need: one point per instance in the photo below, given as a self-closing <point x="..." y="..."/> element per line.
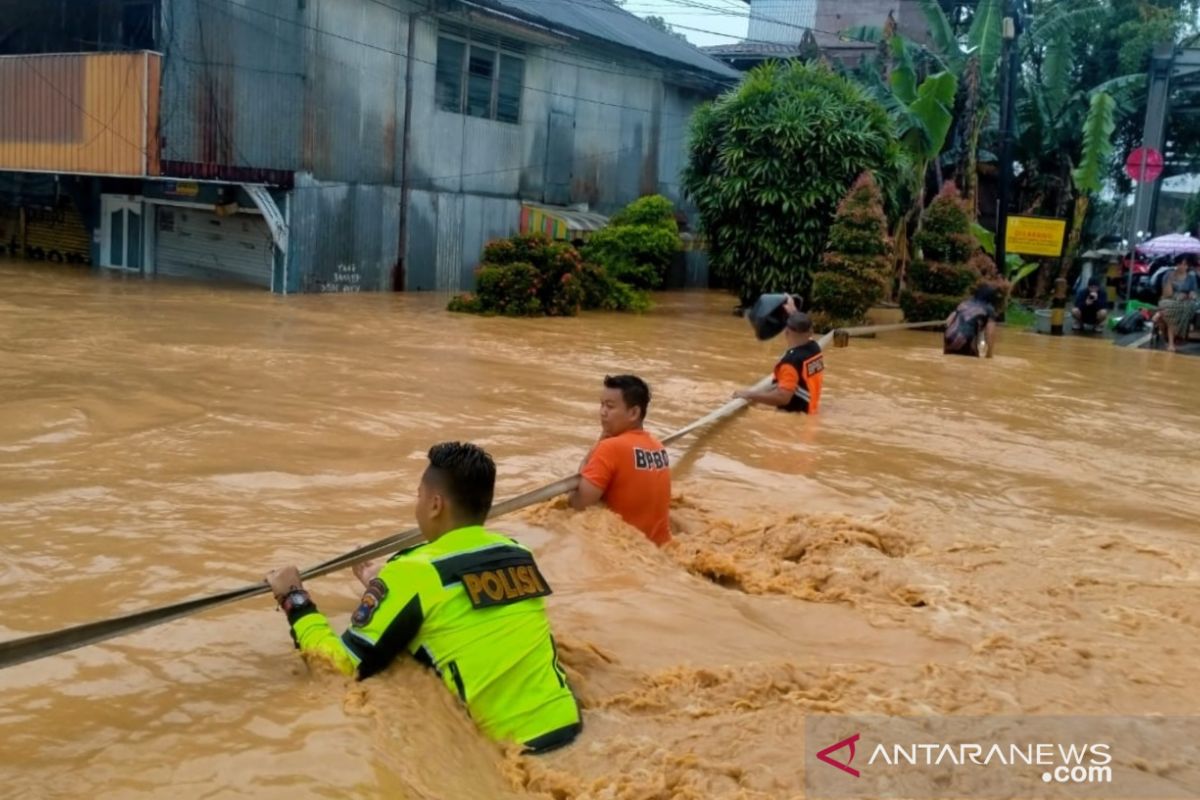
<point x="1171" y="244"/>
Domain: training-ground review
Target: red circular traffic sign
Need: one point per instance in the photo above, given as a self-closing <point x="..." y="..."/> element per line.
<point x="1144" y="158"/>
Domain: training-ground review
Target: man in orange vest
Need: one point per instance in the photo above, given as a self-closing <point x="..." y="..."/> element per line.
<point x="628" y="468"/>
<point x="799" y="373"/>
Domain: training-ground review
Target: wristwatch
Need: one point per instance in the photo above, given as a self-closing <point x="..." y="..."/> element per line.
<point x="293" y="600"/>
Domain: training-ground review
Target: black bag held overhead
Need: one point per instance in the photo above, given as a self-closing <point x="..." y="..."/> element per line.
<point x="767" y="316"/>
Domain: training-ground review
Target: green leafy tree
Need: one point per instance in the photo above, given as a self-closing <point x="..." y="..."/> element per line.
<point x="966" y="43"/>
<point x="856" y="271"/>
<point x="1076" y="48"/>
<point x="768" y="163"/>
<point x="1056" y="101"/>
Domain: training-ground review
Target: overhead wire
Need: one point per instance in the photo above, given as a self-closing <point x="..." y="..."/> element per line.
<point x="431" y="181"/>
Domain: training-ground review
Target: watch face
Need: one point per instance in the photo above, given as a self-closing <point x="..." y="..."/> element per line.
<point x="297" y="598"/>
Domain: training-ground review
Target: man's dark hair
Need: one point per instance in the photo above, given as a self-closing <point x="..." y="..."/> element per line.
<point x="799" y="322"/>
<point x="1093" y="281"/>
<point x="466" y="474"/>
<point x="634" y="390"/>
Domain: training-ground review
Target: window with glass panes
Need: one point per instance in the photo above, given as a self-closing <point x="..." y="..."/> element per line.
<point x="479" y="74"/>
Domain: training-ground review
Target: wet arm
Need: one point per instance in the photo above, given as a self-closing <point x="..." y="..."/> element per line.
<point x="779" y="395"/>
<point x="314" y="635"/>
<point x="990" y="331"/>
<point x="386" y="621"/>
<point x="776" y="396"/>
<point x="595" y="474"/>
<point x="587" y="494"/>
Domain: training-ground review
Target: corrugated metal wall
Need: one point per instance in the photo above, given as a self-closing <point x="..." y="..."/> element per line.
<point x="312" y="87"/>
<point x="587" y="122"/>
<point x="10" y="230"/>
<point x="317" y="89"/>
<point x="447" y="232"/>
<point x="593" y="130"/>
<point x="343" y="238"/>
<point x="79" y="112"/>
<point x="677" y="110"/>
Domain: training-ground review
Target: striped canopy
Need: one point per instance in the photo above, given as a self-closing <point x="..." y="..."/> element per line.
<point x="1171" y="244"/>
<point x="560" y="223"/>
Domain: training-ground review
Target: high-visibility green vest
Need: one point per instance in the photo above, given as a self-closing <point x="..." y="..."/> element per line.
<point x="471" y="606"/>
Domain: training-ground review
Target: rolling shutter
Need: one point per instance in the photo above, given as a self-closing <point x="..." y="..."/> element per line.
<point x="200" y="244"/>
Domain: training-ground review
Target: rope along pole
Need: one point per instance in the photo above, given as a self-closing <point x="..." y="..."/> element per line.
<point x="43" y="645"/>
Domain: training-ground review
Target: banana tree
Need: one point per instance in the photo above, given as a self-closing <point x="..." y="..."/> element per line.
<point x="1093" y="166"/>
<point x="1065" y="130"/>
<point x="923" y="114"/>
<point x="975" y="62"/>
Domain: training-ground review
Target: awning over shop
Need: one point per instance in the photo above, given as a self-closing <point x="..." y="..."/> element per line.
<point x="558" y="222"/>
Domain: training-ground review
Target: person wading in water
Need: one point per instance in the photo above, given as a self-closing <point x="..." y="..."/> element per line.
<point x="628" y="468"/>
<point x="799" y="374"/>
<point x="972" y="318"/>
<point x="468" y="603"/>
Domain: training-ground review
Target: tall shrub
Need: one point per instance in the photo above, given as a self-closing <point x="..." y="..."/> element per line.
<point x="526" y="275"/>
<point x="529" y="275"/>
<point x="769" y="161"/>
<point x="638" y="244"/>
<point x="857" y="268"/>
<point x="951" y="262"/>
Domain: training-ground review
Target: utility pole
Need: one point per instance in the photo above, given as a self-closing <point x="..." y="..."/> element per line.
<point x="1010" y="69"/>
<point x="1154" y="133"/>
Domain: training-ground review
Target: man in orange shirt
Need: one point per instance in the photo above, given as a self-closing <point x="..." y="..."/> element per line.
<point x="798" y="375"/>
<point x="628" y="468"/>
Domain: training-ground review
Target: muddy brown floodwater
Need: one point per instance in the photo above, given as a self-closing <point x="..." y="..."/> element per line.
<point x="950" y="536"/>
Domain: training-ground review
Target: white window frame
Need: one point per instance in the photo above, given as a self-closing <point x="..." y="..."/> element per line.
<point x="464" y="76"/>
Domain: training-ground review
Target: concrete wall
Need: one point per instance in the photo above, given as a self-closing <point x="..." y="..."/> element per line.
<point x="835" y="16"/>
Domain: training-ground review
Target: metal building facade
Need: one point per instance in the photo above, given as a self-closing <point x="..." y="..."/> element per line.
<point x="260" y="85"/>
<point x="594" y="130"/>
<point x="80" y="112"/>
<point x="331" y="106"/>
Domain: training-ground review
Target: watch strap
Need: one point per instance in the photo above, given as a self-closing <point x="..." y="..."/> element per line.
<point x="297" y="604"/>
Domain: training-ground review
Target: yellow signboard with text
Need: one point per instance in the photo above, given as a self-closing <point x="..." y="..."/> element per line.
<point x="1035" y="236"/>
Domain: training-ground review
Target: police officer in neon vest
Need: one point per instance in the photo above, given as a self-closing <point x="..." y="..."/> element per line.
<point x="468" y="603"/>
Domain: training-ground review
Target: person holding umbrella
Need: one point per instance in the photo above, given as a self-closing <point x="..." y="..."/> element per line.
<point x="1178" y="303"/>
